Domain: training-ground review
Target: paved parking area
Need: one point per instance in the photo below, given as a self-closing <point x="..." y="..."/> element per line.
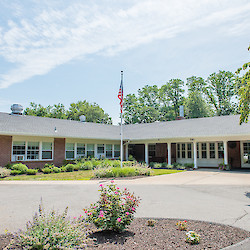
<point x="222" y="197"/>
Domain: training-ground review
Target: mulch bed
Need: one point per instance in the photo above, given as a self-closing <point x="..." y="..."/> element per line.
<point x="164" y="235"/>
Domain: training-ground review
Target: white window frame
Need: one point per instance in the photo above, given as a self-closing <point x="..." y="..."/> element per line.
<point x="13" y="157"/>
<point x="74" y="151"/>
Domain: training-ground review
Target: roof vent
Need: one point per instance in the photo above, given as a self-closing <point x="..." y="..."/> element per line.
<point x="17" y="109"/>
<point x="82" y="118"/>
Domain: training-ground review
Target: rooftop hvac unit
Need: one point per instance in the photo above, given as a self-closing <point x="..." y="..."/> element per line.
<point x="19" y="157"/>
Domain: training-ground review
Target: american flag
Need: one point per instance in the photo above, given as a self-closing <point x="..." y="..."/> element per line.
<point x="120" y="95"/>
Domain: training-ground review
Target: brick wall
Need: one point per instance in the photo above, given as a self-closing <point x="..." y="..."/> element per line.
<point x="59" y="151"/>
<point x="5" y="149"/>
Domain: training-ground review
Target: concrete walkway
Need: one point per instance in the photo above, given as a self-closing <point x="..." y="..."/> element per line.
<point x="222" y="197"/>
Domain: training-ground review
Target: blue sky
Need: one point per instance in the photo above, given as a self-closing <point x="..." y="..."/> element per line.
<point x="64" y="51"/>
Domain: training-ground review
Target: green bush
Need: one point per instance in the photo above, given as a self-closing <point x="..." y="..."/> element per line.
<point x="157" y="165"/>
<point x="69" y="167"/>
<point x="87" y="165"/>
<point x="116" y="164"/>
<point x="47" y="170"/>
<point x="169" y="166"/>
<point x="164" y="165"/>
<point x="15" y="172"/>
<point x="114" y="210"/>
<point x="52" y="231"/>
<point x="4" y="172"/>
<point x="151" y="164"/>
<point x="8" y="165"/>
<point x="131" y="158"/>
<point x="189" y="165"/>
<point x="20" y="167"/>
<point x="32" y="171"/>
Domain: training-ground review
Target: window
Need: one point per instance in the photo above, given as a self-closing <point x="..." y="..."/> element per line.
<point x="220" y="150"/>
<point x="19" y="148"/>
<point x="117" y="150"/>
<point x="198" y="151"/>
<point x="80" y="150"/>
<point x="246" y="153"/>
<point x="183" y="150"/>
<point x="109" y="151"/>
<point x="33" y="151"/>
<point x="189" y="150"/>
<point x="100" y="148"/>
<point x="90" y="150"/>
<point x="70" y="150"/>
<point x="151" y="150"/>
<point x="47" y="150"/>
<point x="178" y="151"/>
<point x="212" y="150"/>
<point x="203" y="150"/>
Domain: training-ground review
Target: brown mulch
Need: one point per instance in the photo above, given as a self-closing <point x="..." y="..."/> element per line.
<point x="164" y="235"/>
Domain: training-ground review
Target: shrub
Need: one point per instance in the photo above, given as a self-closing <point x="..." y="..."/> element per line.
<point x="151" y="164"/>
<point x="170" y="166"/>
<point x="182" y="225"/>
<point x="69" y="167"/>
<point x="164" y="165"/>
<point x="8" y="165"/>
<point x="193" y="237"/>
<point x="52" y="231"/>
<point x="20" y="167"/>
<point x="47" y="170"/>
<point x="116" y="164"/>
<point x="32" y="171"/>
<point x="15" y="172"/>
<point x="131" y="158"/>
<point x="114" y="210"/>
<point x="157" y="165"/>
<point x="189" y="165"/>
<point x="88" y="165"/>
<point x="4" y="172"/>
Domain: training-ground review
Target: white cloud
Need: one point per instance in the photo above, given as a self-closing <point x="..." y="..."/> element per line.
<point x="56" y="36"/>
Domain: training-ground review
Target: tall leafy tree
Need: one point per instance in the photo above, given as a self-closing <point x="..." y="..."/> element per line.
<point x="221" y="91"/>
<point x="244" y="92"/>
<point x="172" y="94"/>
<point x="38" y="110"/>
<point x="195" y="103"/>
<point x="93" y="112"/>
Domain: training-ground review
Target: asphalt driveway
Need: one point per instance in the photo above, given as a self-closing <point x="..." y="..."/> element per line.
<point x="222" y="197"/>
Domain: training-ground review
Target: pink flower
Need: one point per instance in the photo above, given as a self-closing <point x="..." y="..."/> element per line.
<point x="100" y="215"/>
<point x="133" y="209"/>
<point x="101" y="185"/>
<point x="116" y="192"/>
<point x="119" y="219"/>
<point x="127" y="213"/>
<point x="128" y="197"/>
<point x="85" y="212"/>
<point x="118" y="188"/>
<point x="94" y="207"/>
<point x="74" y="218"/>
<point x="80" y="215"/>
<point x="89" y="213"/>
<point x="112" y="181"/>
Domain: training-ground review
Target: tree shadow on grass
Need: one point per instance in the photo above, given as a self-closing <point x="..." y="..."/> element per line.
<point x="107" y="236"/>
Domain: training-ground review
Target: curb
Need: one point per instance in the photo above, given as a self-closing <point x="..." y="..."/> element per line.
<point x="243" y="245"/>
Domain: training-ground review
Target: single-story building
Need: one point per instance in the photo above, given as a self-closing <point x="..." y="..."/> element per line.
<point x="206" y="142"/>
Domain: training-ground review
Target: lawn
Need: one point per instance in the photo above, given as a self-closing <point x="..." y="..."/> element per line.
<point x="76" y="175"/>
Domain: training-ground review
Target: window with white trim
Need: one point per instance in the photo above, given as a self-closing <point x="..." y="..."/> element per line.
<point x="90" y="150"/>
<point x="70" y="150"/>
<point x="246" y="153"/>
<point x="33" y="151"/>
<point x="212" y="150"/>
<point x="203" y="150"/>
<point x="178" y="151"/>
<point x="109" y="151"/>
<point x="117" y="150"/>
<point x="183" y="150"/>
<point x="47" y="150"/>
<point x="198" y="150"/>
<point x="19" y="148"/>
<point x="80" y="150"/>
<point x="100" y="148"/>
<point x="220" y="150"/>
<point x="189" y="150"/>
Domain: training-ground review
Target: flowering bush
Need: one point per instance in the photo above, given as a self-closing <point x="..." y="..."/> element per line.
<point x="114" y="210"/>
<point x="52" y="231"/>
<point x="193" y="237"/>
<point x="182" y="225"/>
<point x="4" y="172"/>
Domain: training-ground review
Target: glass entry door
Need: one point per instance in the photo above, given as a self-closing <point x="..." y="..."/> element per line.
<point x="245" y="155"/>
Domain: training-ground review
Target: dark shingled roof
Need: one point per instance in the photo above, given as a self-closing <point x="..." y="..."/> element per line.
<point x="194" y="128"/>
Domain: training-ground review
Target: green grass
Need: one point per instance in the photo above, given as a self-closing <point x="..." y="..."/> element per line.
<point x="164" y="171"/>
<point x="76" y="175"/>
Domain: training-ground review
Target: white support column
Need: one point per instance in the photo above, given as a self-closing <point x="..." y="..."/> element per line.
<point x="169" y="153"/>
<point x="113" y="151"/>
<point x="146" y="153"/>
<point x="225" y="153"/>
<point x="126" y="152"/>
<point x="195" y="154"/>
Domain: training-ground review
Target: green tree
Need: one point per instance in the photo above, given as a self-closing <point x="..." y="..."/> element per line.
<point x="93" y="112"/>
<point x="38" y="110"/>
<point x="195" y="104"/>
<point x="244" y="92"/>
<point x="172" y="95"/>
<point x="221" y="92"/>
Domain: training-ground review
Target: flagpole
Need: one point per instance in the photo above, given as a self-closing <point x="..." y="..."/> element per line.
<point x="121" y="122"/>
